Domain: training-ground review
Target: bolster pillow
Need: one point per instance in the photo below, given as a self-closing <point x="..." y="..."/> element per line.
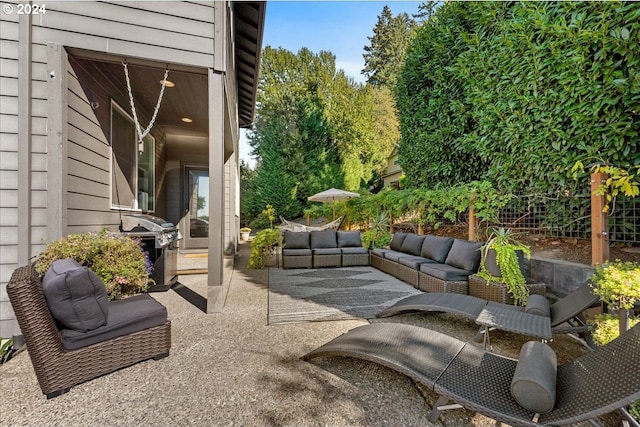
<point x="534" y="381"/>
<point x="537" y="304"/>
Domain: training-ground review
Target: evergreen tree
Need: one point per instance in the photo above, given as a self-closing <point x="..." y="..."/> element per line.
<point x="386" y="53"/>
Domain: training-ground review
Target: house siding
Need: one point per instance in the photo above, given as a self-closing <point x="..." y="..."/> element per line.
<point x="157" y="31"/>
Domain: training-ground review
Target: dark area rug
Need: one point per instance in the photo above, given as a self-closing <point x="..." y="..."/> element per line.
<point x="309" y="295"/>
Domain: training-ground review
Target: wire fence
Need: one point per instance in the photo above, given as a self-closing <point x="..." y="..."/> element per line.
<point x="569" y="216"/>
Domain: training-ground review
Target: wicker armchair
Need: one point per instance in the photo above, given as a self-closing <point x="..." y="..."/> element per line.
<point x="58" y="369"/>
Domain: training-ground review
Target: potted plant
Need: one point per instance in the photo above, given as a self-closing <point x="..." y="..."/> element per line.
<point x="244" y="233"/>
<point x="502" y="258"/>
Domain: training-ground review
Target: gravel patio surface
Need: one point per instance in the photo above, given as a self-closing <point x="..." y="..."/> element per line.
<point x="232" y="369"/>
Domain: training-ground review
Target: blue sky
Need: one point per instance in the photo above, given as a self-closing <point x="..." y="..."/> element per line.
<point x="339" y="27"/>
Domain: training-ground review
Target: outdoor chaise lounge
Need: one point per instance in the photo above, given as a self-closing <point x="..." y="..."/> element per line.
<point x="565" y="314"/>
<point x="594" y="384"/>
<point x="135" y="329"/>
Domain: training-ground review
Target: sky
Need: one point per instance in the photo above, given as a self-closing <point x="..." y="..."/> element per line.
<point x="339" y="27"/>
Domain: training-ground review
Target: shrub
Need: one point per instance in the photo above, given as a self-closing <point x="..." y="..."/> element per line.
<point x="262" y="247"/>
<point x="117" y="259"/>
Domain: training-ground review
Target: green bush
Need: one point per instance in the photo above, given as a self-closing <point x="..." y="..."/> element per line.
<point x="117" y="259"/>
<point x="262" y="247"/>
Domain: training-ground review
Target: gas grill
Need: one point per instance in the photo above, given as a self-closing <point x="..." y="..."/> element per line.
<point x="160" y="240"/>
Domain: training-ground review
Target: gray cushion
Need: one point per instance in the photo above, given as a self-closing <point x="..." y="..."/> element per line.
<point x="415" y="261"/>
<point x="394" y="255"/>
<point x="327" y="251"/>
<point x="76" y="296"/>
<point x="436" y="247"/>
<point x="396" y="241"/>
<point x="464" y="254"/>
<point x="534" y="381"/>
<point x="296" y="239"/>
<point x="412" y="244"/>
<point x="296" y="252"/>
<point x="349" y="239"/>
<point x="126" y="316"/>
<point x="324" y="239"/>
<point x="355" y="251"/>
<point x="380" y="252"/>
<point x="537" y="304"/>
<point x="445" y="272"/>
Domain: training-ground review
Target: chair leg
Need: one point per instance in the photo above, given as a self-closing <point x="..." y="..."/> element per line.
<point x="57" y="393"/>
<point x="435" y="412"/>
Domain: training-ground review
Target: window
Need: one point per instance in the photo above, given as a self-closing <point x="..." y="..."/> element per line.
<point x="132" y="165"/>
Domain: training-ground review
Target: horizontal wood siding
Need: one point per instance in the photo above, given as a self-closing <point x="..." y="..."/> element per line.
<point x="176" y="33"/>
<point x="8" y="165"/>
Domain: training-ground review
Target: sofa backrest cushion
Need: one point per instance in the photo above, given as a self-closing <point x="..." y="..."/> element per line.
<point x="296" y="240"/>
<point x="76" y="296"/>
<point x="436" y="248"/>
<point x="324" y="239"/>
<point x="464" y="254"/>
<point x="349" y="239"/>
<point x="412" y="244"/>
<point x="396" y="241"/>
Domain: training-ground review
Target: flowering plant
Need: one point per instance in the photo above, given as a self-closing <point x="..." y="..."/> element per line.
<point x="117" y="259"/>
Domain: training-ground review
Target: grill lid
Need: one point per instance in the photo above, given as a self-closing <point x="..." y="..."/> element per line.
<point x="134" y="222"/>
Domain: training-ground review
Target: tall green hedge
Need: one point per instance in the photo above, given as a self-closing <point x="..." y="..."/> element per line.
<point x="516" y="93"/>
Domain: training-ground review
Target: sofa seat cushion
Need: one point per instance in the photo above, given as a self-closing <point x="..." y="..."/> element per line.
<point x="355" y="251"/>
<point x="465" y="255"/>
<point x="349" y="239"/>
<point x="324" y="239"/>
<point x="446" y="272"/>
<point x="395" y="255"/>
<point x="396" y="241"/>
<point x="436" y="247"/>
<point x="380" y="252"/>
<point x="327" y="251"/>
<point x="296" y="252"/>
<point x="415" y="261"/>
<point x="412" y="244"/>
<point x="75" y="295"/>
<point x="296" y="240"/>
<point x="126" y="316"/>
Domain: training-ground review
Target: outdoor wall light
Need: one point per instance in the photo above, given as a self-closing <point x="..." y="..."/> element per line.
<point x="186" y="120"/>
<point x="167" y="83"/>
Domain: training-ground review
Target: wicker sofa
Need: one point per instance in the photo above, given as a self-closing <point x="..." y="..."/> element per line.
<point x="326" y="248"/>
<point x="430" y="263"/>
<point x="136" y="329"/>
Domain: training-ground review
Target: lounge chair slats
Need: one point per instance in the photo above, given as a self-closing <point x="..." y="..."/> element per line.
<point x="592" y="385"/>
<point x="565" y="314"/>
<point x="419" y="353"/>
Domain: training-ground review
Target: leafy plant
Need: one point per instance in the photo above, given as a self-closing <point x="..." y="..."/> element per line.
<point x="506" y="246"/>
<point x="619" y="181"/>
<point x="262" y="247"/>
<point x="245" y="230"/>
<point x="6" y="350"/>
<point x="378" y="235"/>
<point x="117" y="259"/>
<point x="605" y="327"/>
<point x="617" y="284"/>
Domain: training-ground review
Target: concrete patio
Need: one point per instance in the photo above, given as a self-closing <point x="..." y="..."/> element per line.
<point x="232" y="368"/>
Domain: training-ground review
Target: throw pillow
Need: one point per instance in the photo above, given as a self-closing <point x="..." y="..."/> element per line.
<point x="75" y="295"/>
<point x="534" y="381"/>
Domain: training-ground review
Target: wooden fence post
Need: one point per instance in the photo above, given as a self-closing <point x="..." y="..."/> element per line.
<point x="599" y="221"/>
<point x="472" y="220"/>
<point x="390" y="223"/>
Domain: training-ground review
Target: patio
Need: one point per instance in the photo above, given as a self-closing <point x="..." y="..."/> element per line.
<point x="232" y="368"/>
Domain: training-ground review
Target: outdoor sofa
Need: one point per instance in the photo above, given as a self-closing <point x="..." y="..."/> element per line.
<point x="430" y="263"/>
<point x="73" y="334"/>
<point x="326" y="248"/>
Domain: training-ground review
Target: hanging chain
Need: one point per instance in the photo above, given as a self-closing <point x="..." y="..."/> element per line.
<point x="139" y="132"/>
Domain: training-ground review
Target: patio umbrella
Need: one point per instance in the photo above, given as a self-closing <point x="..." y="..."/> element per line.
<point x="331" y="195"/>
